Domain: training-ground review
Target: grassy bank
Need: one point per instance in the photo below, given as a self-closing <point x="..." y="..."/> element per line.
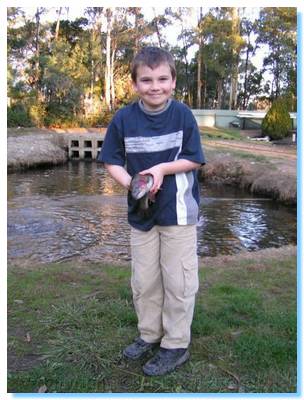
<point x="256" y="173"/>
<point x="67" y="325"/>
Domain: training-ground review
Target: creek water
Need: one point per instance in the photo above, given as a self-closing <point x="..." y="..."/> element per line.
<point x="77" y="210"/>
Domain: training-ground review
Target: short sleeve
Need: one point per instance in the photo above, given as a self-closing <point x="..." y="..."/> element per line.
<point x="113" y="149"/>
<point x="191" y="148"/>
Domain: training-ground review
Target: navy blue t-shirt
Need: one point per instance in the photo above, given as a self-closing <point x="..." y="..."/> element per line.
<point x="138" y="140"/>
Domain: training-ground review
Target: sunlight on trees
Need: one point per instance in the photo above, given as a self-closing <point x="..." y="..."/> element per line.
<point x="75" y="72"/>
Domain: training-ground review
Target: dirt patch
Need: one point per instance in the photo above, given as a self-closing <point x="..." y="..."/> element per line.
<point x="26" y="361"/>
<point x="266" y="149"/>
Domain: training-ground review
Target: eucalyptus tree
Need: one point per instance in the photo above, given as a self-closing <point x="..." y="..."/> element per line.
<point x="16" y="42"/>
<point x="236" y="44"/>
<point x="216" y="51"/>
<point x="96" y="24"/>
<point x="247" y="29"/>
<point x="277" y="29"/>
<point x="199" y="58"/>
<point x="66" y="74"/>
<point x="27" y="45"/>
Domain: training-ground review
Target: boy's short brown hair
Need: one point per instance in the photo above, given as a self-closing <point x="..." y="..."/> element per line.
<point x="152" y="57"/>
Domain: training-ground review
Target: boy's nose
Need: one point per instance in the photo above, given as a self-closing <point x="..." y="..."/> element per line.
<point x="154" y="85"/>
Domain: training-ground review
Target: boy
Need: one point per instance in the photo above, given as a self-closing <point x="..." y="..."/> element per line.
<point x="159" y="136"/>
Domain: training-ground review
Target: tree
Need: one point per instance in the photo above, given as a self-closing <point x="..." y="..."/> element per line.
<point x="277" y="29"/>
<point x="252" y="80"/>
<point x="216" y="29"/>
<point x="199" y="60"/>
<point x="277" y="122"/>
<point x="236" y="44"/>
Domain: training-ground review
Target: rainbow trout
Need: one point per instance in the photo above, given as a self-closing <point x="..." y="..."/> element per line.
<point x="140" y="187"/>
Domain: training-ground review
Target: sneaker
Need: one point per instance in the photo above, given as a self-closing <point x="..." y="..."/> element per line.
<point x="166" y="360"/>
<point x="138" y="349"/>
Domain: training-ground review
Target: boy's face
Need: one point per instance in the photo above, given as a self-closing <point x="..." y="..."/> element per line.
<point x="154" y="86"/>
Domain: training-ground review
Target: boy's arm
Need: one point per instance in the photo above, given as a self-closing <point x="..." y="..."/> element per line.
<point x="168" y="168"/>
<point x="119" y="174"/>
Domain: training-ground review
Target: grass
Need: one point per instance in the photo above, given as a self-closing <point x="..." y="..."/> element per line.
<point x="68" y="324"/>
<point x="221" y="133"/>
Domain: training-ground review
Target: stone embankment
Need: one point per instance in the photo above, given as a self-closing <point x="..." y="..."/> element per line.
<point x="35" y="150"/>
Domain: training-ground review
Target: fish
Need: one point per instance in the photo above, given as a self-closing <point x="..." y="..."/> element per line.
<point x="141" y="185"/>
<point x="140" y="190"/>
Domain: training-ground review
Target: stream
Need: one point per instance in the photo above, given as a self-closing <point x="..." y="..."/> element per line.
<point x="77" y="210"/>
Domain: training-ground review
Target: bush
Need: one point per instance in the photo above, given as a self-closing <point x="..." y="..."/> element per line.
<point x="277" y="122"/>
<point x="38" y="113"/>
<point x="59" y="116"/>
<point x="17" y="115"/>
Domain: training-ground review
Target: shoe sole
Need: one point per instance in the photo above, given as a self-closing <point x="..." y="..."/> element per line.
<point x="179" y="362"/>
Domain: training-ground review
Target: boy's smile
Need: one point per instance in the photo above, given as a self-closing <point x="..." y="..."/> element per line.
<point x="154" y="86"/>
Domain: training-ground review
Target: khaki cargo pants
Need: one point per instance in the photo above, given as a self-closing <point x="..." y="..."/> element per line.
<point x="164" y="283"/>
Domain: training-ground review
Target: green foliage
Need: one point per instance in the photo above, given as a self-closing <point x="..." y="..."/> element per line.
<point x="17" y="115"/>
<point x="37" y="113"/>
<point x="277" y="28"/>
<point x="277" y="121"/>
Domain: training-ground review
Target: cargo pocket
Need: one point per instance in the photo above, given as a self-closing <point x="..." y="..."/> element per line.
<point x="191" y="283"/>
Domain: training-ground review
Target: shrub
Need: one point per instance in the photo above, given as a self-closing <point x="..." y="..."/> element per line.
<point x="277" y="122"/>
<point x="38" y="113"/>
<point x="17" y="115"/>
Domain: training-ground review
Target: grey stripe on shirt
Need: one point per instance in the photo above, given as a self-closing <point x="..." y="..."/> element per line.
<point x="142" y="144"/>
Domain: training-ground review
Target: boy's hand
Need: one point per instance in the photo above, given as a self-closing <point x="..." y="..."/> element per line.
<point x="169" y="168"/>
<point x="158" y="176"/>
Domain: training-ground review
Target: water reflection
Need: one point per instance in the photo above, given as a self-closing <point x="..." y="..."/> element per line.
<point x="78" y="210"/>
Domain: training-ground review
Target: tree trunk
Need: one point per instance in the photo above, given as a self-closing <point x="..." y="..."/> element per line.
<point x="58" y="24"/>
<point x="205" y="87"/>
<point x="92" y="78"/>
<point x="219" y="86"/>
<point x="37" y="54"/>
<point x="113" y="100"/>
<point x="244" y="105"/>
<point x="137" y="25"/>
<point x="235" y="59"/>
<point x="108" y="61"/>
<point x="199" y="80"/>
<point x="199" y="63"/>
<point x="157" y="29"/>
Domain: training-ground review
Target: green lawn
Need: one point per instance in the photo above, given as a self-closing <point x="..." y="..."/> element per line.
<point x="221" y="133"/>
<point x="68" y="323"/>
